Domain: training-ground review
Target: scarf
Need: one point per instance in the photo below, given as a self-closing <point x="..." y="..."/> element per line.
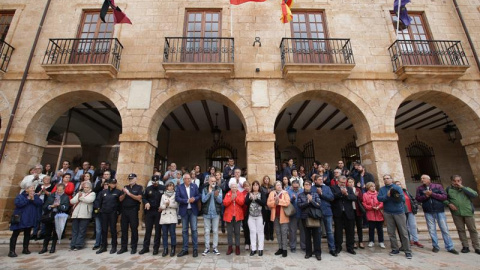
<point x="169" y="193"/>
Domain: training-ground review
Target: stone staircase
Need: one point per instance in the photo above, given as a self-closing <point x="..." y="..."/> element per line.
<point x="222" y="239"/>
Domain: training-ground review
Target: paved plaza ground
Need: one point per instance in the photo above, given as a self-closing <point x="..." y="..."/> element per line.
<point x="369" y="258"/>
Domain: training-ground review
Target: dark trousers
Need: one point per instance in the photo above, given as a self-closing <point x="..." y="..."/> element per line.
<point x="109" y="220"/>
<point x="343" y="223"/>
<point x="246" y="231"/>
<point x="152" y="218"/>
<point x="359" y="225"/>
<point x="26" y="238"/>
<point x="129" y="218"/>
<point x="268" y="229"/>
<point x="378" y="225"/>
<point x="50" y="232"/>
<point x="79" y="231"/>
<point x="309" y="234"/>
<point x="169" y="228"/>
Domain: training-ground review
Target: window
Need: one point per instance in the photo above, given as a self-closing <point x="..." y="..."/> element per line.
<point x="94" y="37"/>
<point x="202" y="30"/>
<point x="309" y="33"/>
<point x="422" y="161"/>
<point x="416" y="49"/>
<point x="219" y="154"/>
<point x="350" y="154"/>
<point x="5" y="21"/>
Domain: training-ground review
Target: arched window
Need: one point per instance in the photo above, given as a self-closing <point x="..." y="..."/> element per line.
<point x="350" y="154"/>
<point x="422" y="161"/>
<point x="219" y="154"/>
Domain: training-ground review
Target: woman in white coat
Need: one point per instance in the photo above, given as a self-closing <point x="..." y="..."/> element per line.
<point x="81" y="215"/>
<point x="168" y="218"/>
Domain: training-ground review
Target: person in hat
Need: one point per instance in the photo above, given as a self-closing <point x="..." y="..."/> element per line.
<point x="108" y="203"/>
<point x="131" y="200"/>
<point x="151" y="199"/>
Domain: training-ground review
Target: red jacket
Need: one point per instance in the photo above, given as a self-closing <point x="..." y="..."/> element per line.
<point x="369" y="201"/>
<point x="69" y="189"/>
<point x="233" y="208"/>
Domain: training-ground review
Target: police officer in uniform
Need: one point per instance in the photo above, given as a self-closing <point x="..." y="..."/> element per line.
<point x="108" y="201"/>
<point x="151" y="199"/>
<point x="131" y="200"/>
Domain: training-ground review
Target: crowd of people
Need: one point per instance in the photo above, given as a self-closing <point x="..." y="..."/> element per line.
<point x="317" y="204"/>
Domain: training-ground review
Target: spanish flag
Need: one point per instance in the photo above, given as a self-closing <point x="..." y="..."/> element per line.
<point x="286" y="12"/>
<point x="238" y="2"/>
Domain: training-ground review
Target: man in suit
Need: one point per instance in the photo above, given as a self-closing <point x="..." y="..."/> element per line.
<point x="343" y="214"/>
<point x="187" y="196"/>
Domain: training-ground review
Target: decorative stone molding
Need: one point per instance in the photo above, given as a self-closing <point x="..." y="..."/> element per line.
<point x="321" y="72"/>
<point x="80" y="72"/>
<point x="430" y="74"/>
<point x="199" y="70"/>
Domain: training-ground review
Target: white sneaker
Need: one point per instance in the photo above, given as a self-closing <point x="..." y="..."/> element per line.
<point x="215" y="251"/>
<point x="382" y="245"/>
<point x="205" y="252"/>
<point x="370" y="244"/>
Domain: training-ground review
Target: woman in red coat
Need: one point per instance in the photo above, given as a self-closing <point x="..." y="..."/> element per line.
<point x="233" y="216"/>
<point x="69" y="186"/>
<point x="374" y="215"/>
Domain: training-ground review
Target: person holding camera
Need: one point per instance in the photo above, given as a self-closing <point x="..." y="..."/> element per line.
<point x="151" y="199"/>
<point x="58" y="202"/>
<point x="432" y="197"/>
<point x="394" y="214"/>
<point x="131" y="200"/>
<point x="108" y="203"/>
<point x="24" y="218"/>
<point x="459" y="200"/>
<point x="212" y="199"/>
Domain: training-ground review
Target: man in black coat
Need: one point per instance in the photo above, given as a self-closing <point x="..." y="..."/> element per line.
<point x="108" y="201"/>
<point x="151" y="199"/>
<point x="343" y="214"/>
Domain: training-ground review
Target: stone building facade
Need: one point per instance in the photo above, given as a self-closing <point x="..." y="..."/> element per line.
<point x="256" y="86"/>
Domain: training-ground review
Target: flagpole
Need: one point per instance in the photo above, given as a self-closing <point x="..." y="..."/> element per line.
<point x="398" y="18"/>
<point x="231" y="21"/>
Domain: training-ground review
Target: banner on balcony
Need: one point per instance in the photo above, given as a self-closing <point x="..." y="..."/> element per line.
<point x="118" y="15"/>
<point x="404" y="18"/>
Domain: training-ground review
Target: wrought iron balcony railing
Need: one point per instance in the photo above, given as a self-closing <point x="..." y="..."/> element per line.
<point x="83" y="51"/>
<point x="316" y="51"/>
<point x="198" y="50"/>
<point x="427" y="52"/>
<point x="6" y="51"/>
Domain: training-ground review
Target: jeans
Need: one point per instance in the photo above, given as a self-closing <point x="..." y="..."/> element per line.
<point x="233" y="229"/>
<point x="166" y="229"/>
<point x="98" y="230"/>
<point x="432" y="219"/>
<point x="79" y="231"/>
<point x="256" y="230"/>
<point x="412" y="227"/>
<point x="327" y="222"/>
<point x="372" y="225"/>
<point x="211" y="223"/>
<point x="189" y="219"/>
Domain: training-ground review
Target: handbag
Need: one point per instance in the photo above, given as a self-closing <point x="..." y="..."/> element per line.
<point x="16" y="219"/>
<point x="362" y="208"/>
<point x="289" y="210"/>
<point x="48" y="217"/>
<point x="312" y="222"/>
<point x="315" y="213"/>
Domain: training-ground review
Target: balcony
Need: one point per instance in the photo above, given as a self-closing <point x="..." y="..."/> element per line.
<point x="6" y="51"/>
<point x="82" y="59"/>
<point x="325" y="59"/>
<point x="198" y="57"/>
<point x="428" y="61"/>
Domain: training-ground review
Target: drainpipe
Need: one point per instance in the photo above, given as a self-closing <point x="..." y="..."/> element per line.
<point x="22" y="83"/>
<point x="475" y="56"/>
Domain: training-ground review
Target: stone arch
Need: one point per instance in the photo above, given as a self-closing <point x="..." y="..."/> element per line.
<point x="462" y="109"/>
<point x="356" y="112"/>
<point x="168" y="103"/>
<point x="45" y="114"/>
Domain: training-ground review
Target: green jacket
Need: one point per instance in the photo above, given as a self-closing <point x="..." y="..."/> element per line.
<point x="461" y="198"/>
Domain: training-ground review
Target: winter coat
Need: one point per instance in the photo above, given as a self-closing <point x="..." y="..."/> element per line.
<point x="462" y="199"/>
<point x="327" y="199"/>
<point x="305" y="205"/>
<point x="28" y="211"/>
<point x="391" y="205"/>
<point x="83" y="206"/>
<point x="284" y="201"/>
<point x="434" y="203"/>
<point x="233" y="207"/>
<point x="169" y="214"/>
<point x="370" y="200"/>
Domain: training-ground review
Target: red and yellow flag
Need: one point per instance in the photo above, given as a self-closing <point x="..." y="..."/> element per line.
<point x="286" y="12"/>
<point x="238" y="2"/>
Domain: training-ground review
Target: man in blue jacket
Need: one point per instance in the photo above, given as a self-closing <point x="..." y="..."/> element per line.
<point x="327" y="197"/>
<point x="394" y="213"/>
<point x="187" y="196"/>
<point x="432" y="196"/>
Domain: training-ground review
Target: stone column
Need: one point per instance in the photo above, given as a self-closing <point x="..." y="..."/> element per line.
<point x="380" y="155"/>
<point x="18" y="159"/>
<point x="260" y="156"/>
<point x="136" y="155"/>
<point x="472" y="148"/>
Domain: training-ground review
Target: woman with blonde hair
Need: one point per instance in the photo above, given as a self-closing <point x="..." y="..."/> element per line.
<point x="278" y="199"/>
